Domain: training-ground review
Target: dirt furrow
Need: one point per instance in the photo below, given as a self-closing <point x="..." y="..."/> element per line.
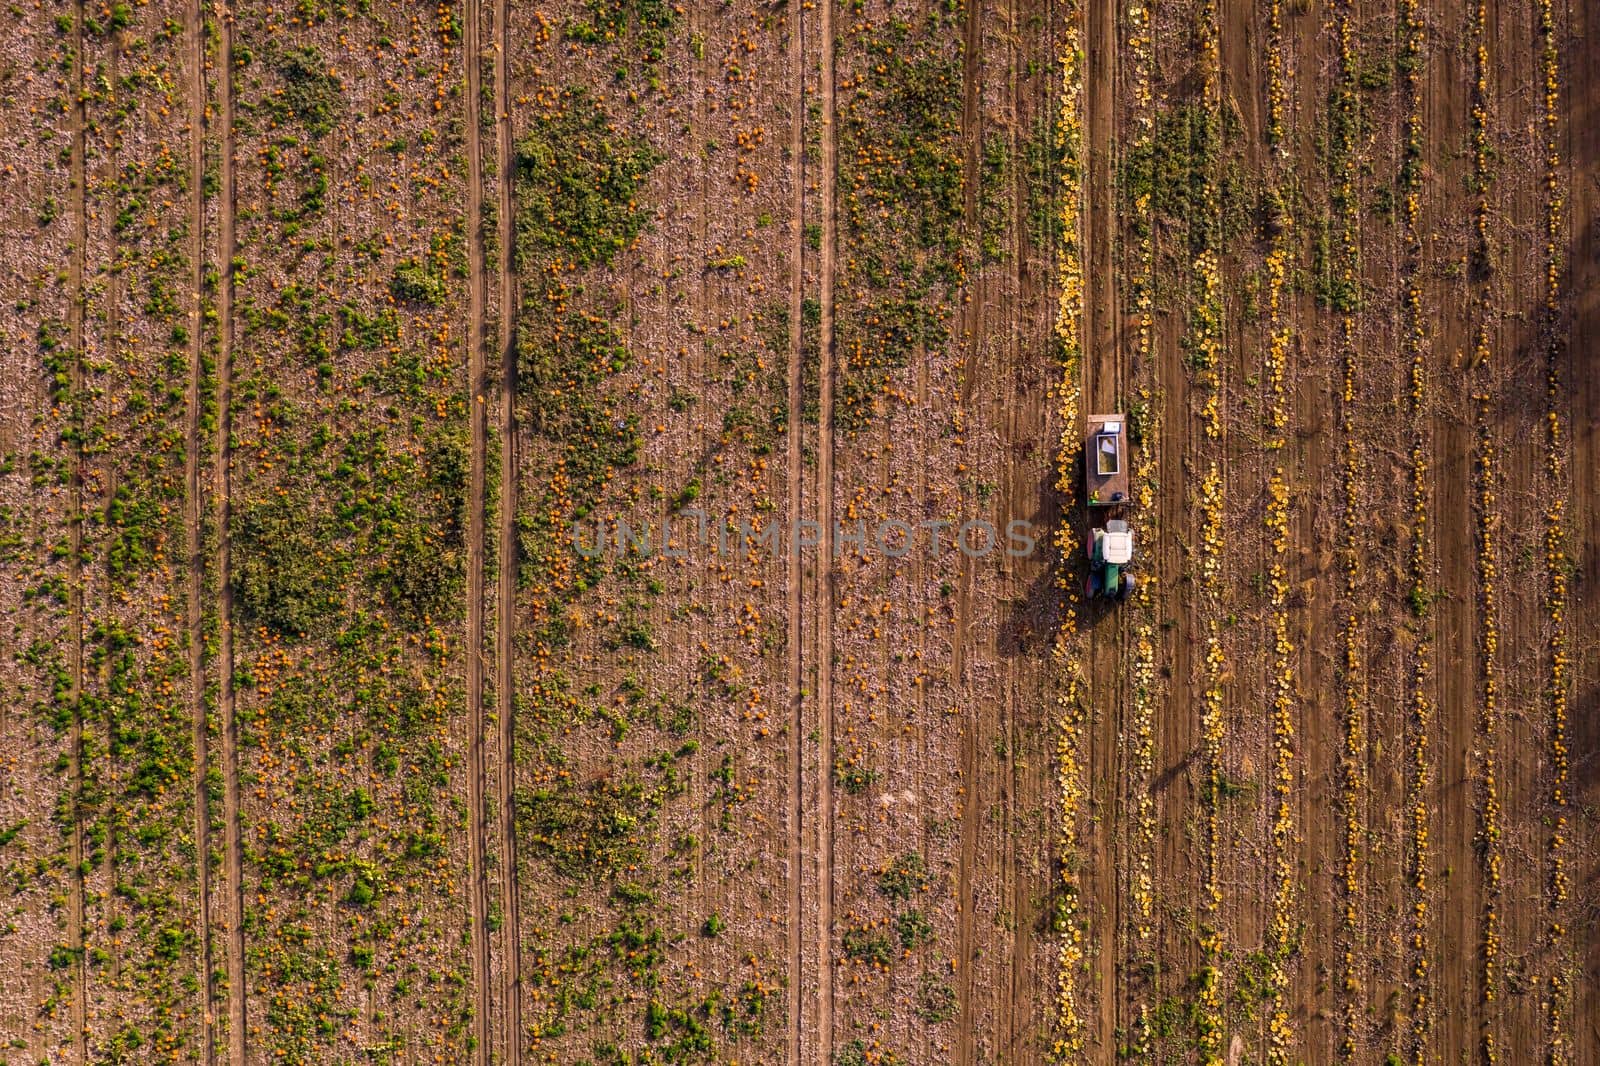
<point x="1174" y="785"/>
<point x="1104" y="374"/>
<point x="477" y="414"/>
<point x="794" y="669"/>
<point x="971" y="329"/>
<point x="1250" y="453"/>
<point x="194" y="507"/>
<point x="233" y="847"/>
<point x="1447" y="220"/>
<point x="823" y="602"/>
<point x="506" y="570"/>
<point x="1527" y="489"/>
<point x="76" y="330"/>
<point x="1581" y="249"/>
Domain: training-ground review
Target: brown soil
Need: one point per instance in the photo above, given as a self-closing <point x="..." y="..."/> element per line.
<point x="824" y="776"/>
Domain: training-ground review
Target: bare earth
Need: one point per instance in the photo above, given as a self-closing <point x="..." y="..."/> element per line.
<point x="492" y="530"/>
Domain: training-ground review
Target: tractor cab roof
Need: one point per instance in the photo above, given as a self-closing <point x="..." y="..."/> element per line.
<point x="1116" y="546"/>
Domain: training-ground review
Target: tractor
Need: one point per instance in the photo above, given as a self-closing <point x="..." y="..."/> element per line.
<point x="1110" y="550"/>
<point x="1106" y="486"/>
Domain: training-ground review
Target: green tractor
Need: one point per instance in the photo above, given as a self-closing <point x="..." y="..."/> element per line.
<point x="1110" y="551"/>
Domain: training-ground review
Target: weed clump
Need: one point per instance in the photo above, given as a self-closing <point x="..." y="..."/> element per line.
<point x="412" y="282"/>
<point x="311" y="95"/>
<point x="578" y="182"/>
<point x="285" y="577"/>
<point x="589" y="831"/>
<point x="908" y="874"/>
<point x="643" y="23"/>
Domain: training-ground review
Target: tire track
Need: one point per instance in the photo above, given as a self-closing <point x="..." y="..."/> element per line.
<point x="825" y="579"/>
<point x="75" y="330"/>
<point x="476" y="284"/>
<point x="1104" y="373"/>
<point x="695" y="365"/>
<point x="971" y="131"/>
<point x="193" y="510"/>
<point x="794" y="662"/>
<point x="506" y="571"/>
<point x="115" y="285"/>
<point x="108" y="70"/>
<point x="234" y="860"/>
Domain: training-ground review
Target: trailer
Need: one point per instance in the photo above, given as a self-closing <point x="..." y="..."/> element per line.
<point x="1105" y="461"/>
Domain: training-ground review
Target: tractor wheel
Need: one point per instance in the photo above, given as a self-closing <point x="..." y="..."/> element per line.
<point x="1127" y="586"/>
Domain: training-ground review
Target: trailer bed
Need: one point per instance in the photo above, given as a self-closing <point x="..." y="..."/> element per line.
<point x="1106" y="461"/>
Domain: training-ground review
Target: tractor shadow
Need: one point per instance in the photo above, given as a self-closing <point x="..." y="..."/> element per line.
<point x="1031" y="625"/>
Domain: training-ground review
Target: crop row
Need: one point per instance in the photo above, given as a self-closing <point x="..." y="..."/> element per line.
<point x="1420" y="716"/>
<point x="133" y="610"/>
<point x="1343" y="288"/>
<point x="1558" y="878"/>
<point x="901" y="179"/>
<point x="348" y="535"/>
<point x="1206" y="341"/>
<point x="598" y="970"/>
<point x="38" y="516"/>
<point x="1144" y="697"/>
<point x="1488" y="798"/>
<point x="1281" y="921"/>
<point x="127" y="970"/>
<point x="1068" y="647"/>
<point x="1486" y="476"/>
<point x="651" y="377"/>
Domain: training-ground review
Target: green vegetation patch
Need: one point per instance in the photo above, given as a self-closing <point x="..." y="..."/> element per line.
<point x="287" y="574"/>
<point x="642" y="23"/>
<point x="577" y="185"/>
<point x="902" y="199"/>
<point x="901" y="136"/>
<point x="586" y="831"/>
<point x="312" y="95"/>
